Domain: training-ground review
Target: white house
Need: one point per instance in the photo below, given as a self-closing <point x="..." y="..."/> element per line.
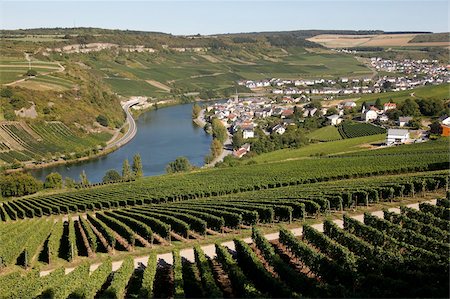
<point x="248" y="133"/>
<point x="403" y="120"/>
<point x="279" y="129"/>
<point x="369" y="115"/>
<point x="389" y="106"/>
<point x="397" y="136"/>
<point x="243" y="150"/>
<point x="334" y="119"/>
<point x="446" y="121"/>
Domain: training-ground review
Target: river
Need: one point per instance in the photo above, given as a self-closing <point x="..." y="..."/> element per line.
<point x="162" y="136"/>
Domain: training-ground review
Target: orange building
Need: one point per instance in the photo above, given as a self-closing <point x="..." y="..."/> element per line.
<point x="445" y="130"/>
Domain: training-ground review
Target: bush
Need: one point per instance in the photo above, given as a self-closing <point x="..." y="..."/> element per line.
<point x="180" y="164"/>
<point x="53" y="181"/>
<point x="103" y="120"/>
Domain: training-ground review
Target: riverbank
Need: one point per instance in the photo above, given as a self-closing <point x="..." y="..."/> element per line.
<point x="227" y="148"/>
<point x="112" y="145"/>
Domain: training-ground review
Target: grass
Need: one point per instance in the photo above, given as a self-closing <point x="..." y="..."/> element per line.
<point x="128" y="87"/>
<point x="328" y="133"/>
<point x="426" y="92"/>
<point x="324" y="148"/>
<point x="12" y="69"/>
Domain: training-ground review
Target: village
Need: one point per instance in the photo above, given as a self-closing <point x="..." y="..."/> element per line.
<point x="409" y="74"/>
<point x="275" y="116"/>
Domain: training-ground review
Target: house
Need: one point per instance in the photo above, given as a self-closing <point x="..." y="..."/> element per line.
<point x="278" y="129"/>
<point x="287" y="113"/>
<point x="397" y="136"/>
<point x="334" y="119"/>
<point x="369" y="115"/>
<point x="243" y="150"/>
<point x="248" y="133"/>
<point x="389" y="106"/>
<point x="445" y="125"/>
<point x="383" y="118"/>
<point x="403" y="120"/>
<point x="347" y="105"/>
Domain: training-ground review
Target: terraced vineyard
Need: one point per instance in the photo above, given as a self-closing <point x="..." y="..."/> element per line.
<point x="22" y="142"/>
<point x="399" y="255"/>
<point x="353" y="129"/>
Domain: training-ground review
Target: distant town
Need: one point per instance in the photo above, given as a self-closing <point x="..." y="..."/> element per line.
<point x="408" y="75"/>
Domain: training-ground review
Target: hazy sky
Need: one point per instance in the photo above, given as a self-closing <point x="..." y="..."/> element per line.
<point x="208" y="17"/>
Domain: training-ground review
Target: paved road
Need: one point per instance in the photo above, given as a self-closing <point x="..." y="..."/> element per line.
<point x="132" y="128"/>
<point x="210" y="251"/>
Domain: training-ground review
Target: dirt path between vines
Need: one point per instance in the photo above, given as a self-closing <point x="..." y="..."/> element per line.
<point x="210" y="250"/>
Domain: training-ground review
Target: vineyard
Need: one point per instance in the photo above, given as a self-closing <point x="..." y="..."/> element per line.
<point x="354" y="129"/>
<point x="230" y="181"/>
<point x="131" y="225"/>
<point x="22" y="142"/>
<point x="148" y="215"/>
<point x="403" y="253"/>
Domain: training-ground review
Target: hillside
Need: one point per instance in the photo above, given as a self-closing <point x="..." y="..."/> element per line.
<point x="131" y="222"/>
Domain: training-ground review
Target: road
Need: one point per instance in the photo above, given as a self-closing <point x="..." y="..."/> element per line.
<point x="132" y="128"/>
<point x="210" y="250"/>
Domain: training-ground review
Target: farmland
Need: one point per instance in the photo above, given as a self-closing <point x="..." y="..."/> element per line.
<point x="321" y="149"/>
<point x="345" y="130"/>
<point x="342" y="253"/>
<point x="192" y="71"/>
<point x="427" y="92"/>
<point x="13" y="69"/>
<point x="353" y="129"/>
<point x="327" y="133"/>
<point x="22" y="142"/>
<point x="378" y="40"/>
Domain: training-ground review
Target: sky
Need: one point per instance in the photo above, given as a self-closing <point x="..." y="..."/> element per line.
<point x="214" y="16"/>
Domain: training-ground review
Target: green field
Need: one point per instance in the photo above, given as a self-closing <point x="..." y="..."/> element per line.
<point x="15" y="68"/>
<point x="324" y="148"/>
<point x="192" y="71"/>
<point x="328" y="133"/>
<point x="426" y="92"/>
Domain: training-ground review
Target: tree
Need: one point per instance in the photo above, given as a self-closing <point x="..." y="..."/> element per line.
<point x="103" y="120"/>
<point x="415" y="123"/>
<point x="315" y="104"/>
<point x="435" y="128"/>
<point x="53" y="181"/>
<point x="137" y="166"/>
<point x="19" y="184"/>
<point x="111" y="176"/>
<point x="331" y="111"/>
<point x="393" y="114"/>
<point x="31" y="73"/>
<point x="238" y="139"/>
<point x="431" y="107"/>
<point x="218" y="130"/>
<point x="216" y="148"/>
<point x="69" y="183"/>
<point x="196" y="109"/>
<point x="126" y="170"/>
<point x="378" y="104"/>
<point x="410" y="107"/>
<point x="181" y="164"/>
<point x="83" y="179"/>
<point x="6" y="92"/>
